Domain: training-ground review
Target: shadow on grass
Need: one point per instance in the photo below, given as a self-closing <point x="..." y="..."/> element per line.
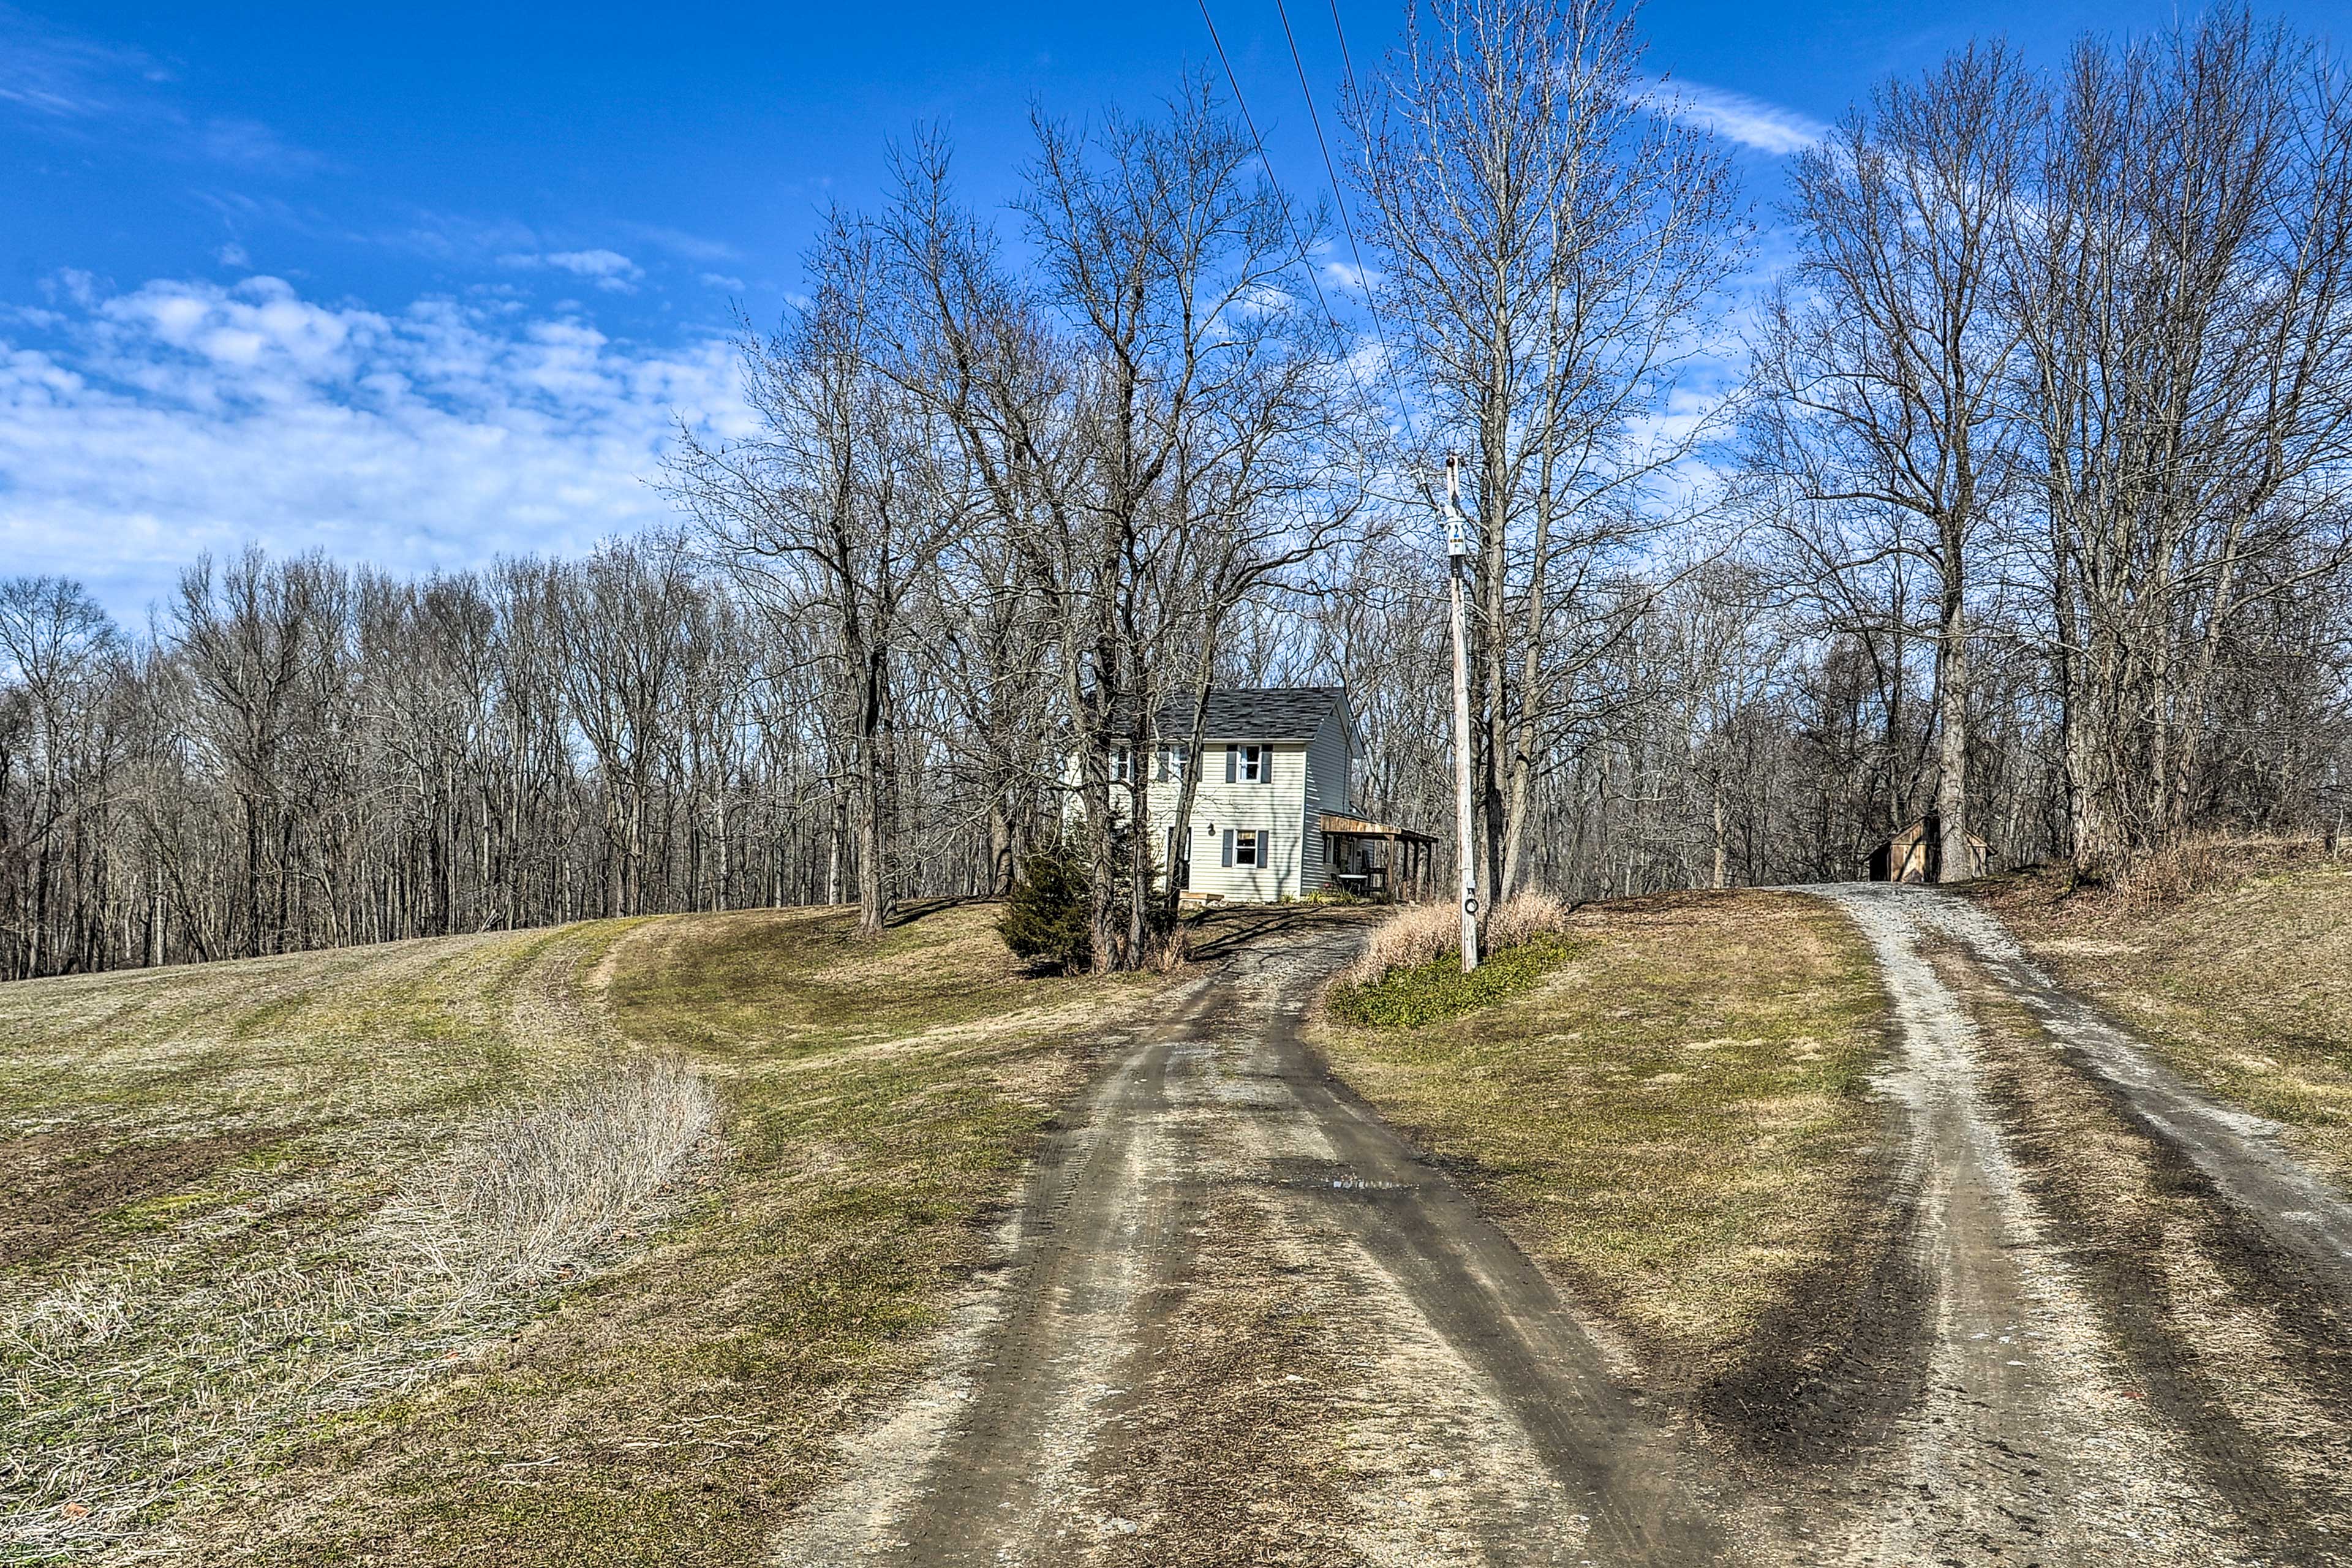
<point x="914" y="910"/>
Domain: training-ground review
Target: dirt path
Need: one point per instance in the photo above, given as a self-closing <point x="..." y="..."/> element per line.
<point x="2237" y="1152"/>
<point x="1237" y="1320"/>
<point x="1242" y="1322"/>
<point x="2099" y="1244"/>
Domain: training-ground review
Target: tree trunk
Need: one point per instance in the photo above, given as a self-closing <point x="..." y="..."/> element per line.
<point x="1956" y="864"/>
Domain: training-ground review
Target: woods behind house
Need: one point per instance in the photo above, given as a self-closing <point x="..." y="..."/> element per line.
<point x="2017" y="495"/>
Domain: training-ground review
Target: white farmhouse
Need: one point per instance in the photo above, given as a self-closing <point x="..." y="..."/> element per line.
<point x="1273" y="818"/>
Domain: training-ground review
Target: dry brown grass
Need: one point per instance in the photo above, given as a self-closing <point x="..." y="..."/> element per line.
<point x="2232" y="957"/>
<point x="1424" y="933"/>
<point x="542" y="1183"/>
<point x="671" y="1401"/>
<point x="1678" y="1118"/>
<point x="184" y="1332"/>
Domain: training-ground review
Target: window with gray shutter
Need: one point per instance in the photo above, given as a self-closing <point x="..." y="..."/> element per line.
<point x="1229" y="847"/>
<point x="1233" y="767"/>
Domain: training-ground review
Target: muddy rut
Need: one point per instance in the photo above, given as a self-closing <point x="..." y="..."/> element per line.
<point x="1235" y="1319"/>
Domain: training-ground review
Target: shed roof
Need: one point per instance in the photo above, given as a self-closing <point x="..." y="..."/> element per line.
<point x="1257" y="712"/>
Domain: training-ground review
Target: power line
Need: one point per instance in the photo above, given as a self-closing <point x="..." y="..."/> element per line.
<point x="1339" y="198"/>
<point x="1347" y="61"/>
<point x="1234" y="82"/>
<point x="1247" y="118"/>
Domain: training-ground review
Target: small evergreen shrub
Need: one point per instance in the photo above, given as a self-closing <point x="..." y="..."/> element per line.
<point x="1045" y="919"/>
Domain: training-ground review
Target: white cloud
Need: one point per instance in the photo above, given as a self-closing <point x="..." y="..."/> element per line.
<point x="608" y="269"/>
<point x="722" y="280"/>
<point x="1750" y="121"/>
<point x="596" y="264"/>
<point x="184" y="416"/>
<point x="233" y="254"/>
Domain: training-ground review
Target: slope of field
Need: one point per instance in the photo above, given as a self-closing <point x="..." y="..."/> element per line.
<point x="567" y="1246"/>
<point x="2239" y="974"/>
<point x="1677" y="1121"/>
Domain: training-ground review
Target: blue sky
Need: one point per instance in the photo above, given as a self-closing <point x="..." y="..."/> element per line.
<point x="420" y="284"/>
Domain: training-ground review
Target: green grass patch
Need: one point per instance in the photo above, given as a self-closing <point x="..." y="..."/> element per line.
<point x="1438" y="990"/>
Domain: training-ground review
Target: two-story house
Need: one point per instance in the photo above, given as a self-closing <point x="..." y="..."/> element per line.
<point x="1272" y="817"/>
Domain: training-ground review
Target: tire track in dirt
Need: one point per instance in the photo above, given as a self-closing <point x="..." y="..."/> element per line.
<point x="1239" y="1320"/>
<point x="2231" y="1341"/>
<point x="2235" y="1150"/>
<point x="2031" y="1444"/>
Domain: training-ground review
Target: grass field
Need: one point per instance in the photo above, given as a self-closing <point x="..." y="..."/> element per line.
<point x="1676" y="1117"/>
<point x="572" y="1247"/>
<point x="2238" y="968"/>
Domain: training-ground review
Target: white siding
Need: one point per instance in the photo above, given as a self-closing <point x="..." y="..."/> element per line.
<point x="1304" y="781"/>
<point x="1327" y="790"/>
<point x="1276" y="806"/>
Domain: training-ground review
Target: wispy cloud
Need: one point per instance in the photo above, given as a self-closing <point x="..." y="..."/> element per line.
<point x="57" y="75"/>
<point x="1750" y="121"/>
<point x="682" y="244"/>
<point x="250" y="145"/>
<point x="139" y="427"/>
<point x="85" y="90"/>
<point x="608" y="269"/>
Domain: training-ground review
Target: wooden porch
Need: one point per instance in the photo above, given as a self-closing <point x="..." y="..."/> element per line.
<point x="1376" y="859"/>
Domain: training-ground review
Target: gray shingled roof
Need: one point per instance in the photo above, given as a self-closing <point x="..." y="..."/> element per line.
<point x="1255" y="713"/>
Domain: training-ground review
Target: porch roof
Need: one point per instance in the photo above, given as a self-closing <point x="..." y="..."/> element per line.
<point x="1357" y="827"/>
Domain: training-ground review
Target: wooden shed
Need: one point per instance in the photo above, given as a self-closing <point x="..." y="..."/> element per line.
<point x="1917" y="854"/>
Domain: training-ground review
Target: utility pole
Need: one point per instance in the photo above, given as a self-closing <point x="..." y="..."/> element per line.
<point x="1457" y="551"/>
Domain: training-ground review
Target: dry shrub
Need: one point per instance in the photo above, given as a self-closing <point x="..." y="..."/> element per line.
<point x="149" y="1375"/>
<point x="1519" y="921"/>
<point x="1412" y="937"/>
<point x="538" y="1185"/>
<point x="1165" y="952"/>
<point x="1427" y="933"/>
<point x="2158" y="878"/>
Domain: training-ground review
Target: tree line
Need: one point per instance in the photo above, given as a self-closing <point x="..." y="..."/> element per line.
<point x="2015" y="500"/>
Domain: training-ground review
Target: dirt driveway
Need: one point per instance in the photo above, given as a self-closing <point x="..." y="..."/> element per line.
<point x="2134" y="1301"/>
<point x="1237" y="1320"/>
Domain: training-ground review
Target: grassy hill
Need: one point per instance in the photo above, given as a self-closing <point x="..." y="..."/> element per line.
<point x="562" y="1247"/>
<point x="2233" y="959"/>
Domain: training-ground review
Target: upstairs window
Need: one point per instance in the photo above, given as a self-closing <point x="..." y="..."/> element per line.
<point x="1171" y="762"/>
<point x="1121" y="766"/>
<point x="1246" y="765"/>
